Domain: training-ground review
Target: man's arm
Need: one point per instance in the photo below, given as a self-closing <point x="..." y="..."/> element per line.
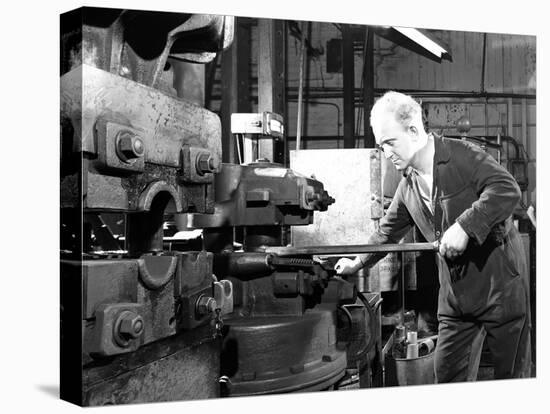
<point x="392" y="227"/>
<point x="498" y="192"/>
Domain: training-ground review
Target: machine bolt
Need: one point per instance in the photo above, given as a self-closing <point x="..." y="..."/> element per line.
<point x="207" y="163"/>
<point x="129" y="146"/>
<point x="311" y="197"/>
<point x="205" y="305"/>
<point x="130" y="325"/>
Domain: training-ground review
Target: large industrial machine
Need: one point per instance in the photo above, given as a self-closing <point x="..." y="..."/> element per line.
<point x="141" y="321"/>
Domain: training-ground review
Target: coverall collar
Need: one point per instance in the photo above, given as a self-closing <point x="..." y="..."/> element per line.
<point x="442" y="151"/>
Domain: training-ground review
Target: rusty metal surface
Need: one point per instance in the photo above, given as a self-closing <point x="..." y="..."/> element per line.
<point x="110" y="105"/>
<point x="102" y="336"/>
<point x="160" y="371"/>
<point x="271" y="354"/>
<point x="377" y="198"/>
<point x="110" y="159"/>
<point x="108" y="281"/>
<point x="103" y="105"/>
<point x="166" y="123"/>
<point x="158" y="311"/>
<point x="104" y="192"/>
<point x="156" y="271"/>
<point x="193" y="279"/>
<point x="123" y="139"/>
<point x="346" y="175"/>
<point x="194" y="170"/>
<point x="263" y="194"/>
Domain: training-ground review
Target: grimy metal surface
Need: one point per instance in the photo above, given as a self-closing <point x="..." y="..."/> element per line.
<point x="353" y="249"/>
<point x="95" y="102"/>
<point x="183" y="367"/>
<point x="165" y="123"/>
<point x="358" y="179"/>
<point x="268" y="354"/>
<point x="263" y="194"/>
<point x="114" y="40"/>
<point x="130" y="145"/>
<point x="346" y="175"/>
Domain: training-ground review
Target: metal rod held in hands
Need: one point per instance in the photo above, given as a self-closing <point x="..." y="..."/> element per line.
<point x="353" y="249"/>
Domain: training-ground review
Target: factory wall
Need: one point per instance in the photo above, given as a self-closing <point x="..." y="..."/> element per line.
<point x="498" y="97"/>
<point x="448" y="90"/>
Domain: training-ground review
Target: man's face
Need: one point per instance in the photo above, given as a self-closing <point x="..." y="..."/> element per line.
<point x="396" y="142"/>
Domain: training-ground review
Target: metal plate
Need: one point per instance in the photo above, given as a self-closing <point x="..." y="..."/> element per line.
<point x="356" y="179"/>
<point x="346" y="175"/>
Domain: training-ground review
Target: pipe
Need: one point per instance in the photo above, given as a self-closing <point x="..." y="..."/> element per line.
<point x="336" y="92"/>
<point x="352" y="249"/>
<point x="300" y="89"/>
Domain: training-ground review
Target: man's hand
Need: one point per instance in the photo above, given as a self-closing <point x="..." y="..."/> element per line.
<point x="346" y="266"/>
<point x="454" y="242"/>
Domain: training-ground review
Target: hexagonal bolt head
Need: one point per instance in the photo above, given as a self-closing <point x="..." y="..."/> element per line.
<point x="207" y="163"/>
<point x="131" y="325"/>
<point x="205" y="305"/>
<point x="129" y="146"/>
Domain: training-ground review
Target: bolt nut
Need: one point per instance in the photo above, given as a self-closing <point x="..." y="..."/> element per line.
<point x="207" y="163"/>
<point x="205" y="305"/>
<point x="131" y="325"/>
<point x="129" y="146"/>
<point x="312" y="197"/>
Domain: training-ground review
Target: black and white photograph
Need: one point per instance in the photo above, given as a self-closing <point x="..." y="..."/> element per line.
<point x="271" y="209"/>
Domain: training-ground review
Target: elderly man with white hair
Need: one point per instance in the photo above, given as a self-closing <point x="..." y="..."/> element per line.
<point x="456" y="193"/>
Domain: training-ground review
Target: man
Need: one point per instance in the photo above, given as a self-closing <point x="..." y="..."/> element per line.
<point x="457" y="194"/>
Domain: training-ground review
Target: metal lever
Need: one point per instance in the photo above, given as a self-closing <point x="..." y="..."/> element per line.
<point x="353" y="249"/>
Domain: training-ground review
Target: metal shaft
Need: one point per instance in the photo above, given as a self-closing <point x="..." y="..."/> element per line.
<point x="402" y="288"/>
<point x="352" y="249"/>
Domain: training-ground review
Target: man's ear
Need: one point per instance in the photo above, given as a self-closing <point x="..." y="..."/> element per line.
<point x="413" y="130"/>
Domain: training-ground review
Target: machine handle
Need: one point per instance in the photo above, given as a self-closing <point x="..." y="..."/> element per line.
<point x="353" y="249"/>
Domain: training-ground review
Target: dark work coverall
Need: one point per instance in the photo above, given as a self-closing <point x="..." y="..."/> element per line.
<point x="485" y="290"/>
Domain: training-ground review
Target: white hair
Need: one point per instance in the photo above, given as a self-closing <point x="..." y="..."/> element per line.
<point x="403" y="107"/>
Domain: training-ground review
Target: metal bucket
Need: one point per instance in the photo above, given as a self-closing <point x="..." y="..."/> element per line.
<point x="415" y="371"/>
<point x="412" y="371"/>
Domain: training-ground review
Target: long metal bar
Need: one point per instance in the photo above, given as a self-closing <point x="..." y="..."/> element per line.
<point x="402" y="288"/>
<point x="301" y="86"/>
<point x="336" y="92"/>
<point x="368" y="87"/>
<point x="352" y="249"/>
<point x="348" y="86"/>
